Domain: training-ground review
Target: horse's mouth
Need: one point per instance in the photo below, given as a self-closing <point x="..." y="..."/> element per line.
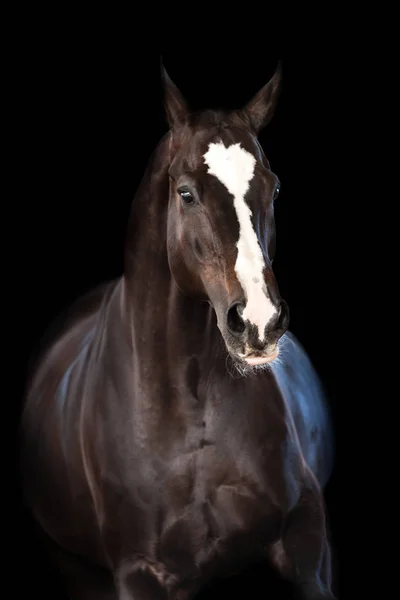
<point x="257" y="360"/>
<point x="261" y="360"/>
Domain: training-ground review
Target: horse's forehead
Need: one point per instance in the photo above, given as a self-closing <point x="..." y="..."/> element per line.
<point x="233" y="165"/>
<point x="236" y="148"/>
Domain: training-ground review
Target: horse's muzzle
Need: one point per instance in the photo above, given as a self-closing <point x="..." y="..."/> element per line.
<point x="247" y="335"/>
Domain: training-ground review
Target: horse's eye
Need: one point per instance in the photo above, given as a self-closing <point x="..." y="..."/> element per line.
<point x="276" y="193"/>
<point x="186" y="196"/>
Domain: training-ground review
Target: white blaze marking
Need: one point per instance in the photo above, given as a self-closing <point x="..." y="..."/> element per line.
<point x="234" y="167"/>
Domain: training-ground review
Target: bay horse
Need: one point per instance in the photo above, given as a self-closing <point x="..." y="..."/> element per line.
<point x="174" y="430"/>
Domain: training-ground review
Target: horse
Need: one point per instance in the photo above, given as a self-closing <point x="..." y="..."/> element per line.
<point x="174" y="430"/>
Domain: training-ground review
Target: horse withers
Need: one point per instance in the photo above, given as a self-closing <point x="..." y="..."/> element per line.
<point x="174" y="431"/>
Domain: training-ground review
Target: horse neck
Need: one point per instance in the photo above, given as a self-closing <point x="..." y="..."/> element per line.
<point x="145" y="247"/>
<point x="162" y="320"/>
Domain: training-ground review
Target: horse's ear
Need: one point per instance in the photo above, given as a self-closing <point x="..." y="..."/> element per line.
<point x="175" y="105"/>
<point x="261" y="107"/>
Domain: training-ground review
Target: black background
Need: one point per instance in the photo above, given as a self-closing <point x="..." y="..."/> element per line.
<point x="89" y="113"/>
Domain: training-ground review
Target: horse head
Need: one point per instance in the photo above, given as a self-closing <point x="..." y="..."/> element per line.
<point x="221" y="228"/>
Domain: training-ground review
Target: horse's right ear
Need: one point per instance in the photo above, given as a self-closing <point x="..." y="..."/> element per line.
<point x="260" y="109"/>
<point x="175" y="105"/>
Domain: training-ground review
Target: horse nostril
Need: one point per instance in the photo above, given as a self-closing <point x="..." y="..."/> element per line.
<point x="283" y="317"/>
<point x="235" y="322"/>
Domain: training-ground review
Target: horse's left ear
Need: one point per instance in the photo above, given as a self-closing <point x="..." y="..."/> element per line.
<point x="261" y="107"/>
<point x="175" y="105"/>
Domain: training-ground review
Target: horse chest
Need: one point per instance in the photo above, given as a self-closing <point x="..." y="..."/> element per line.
<point x="205" y="484"/>
<point x="215" y="510"/>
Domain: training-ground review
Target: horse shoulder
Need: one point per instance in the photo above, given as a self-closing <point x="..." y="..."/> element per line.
<point x="51" y="420"/>
<point x="306" y="403"/>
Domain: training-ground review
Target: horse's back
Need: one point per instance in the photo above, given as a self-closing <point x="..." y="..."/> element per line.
<point x="306" y="401"/>
<point x="69" y="320"/>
